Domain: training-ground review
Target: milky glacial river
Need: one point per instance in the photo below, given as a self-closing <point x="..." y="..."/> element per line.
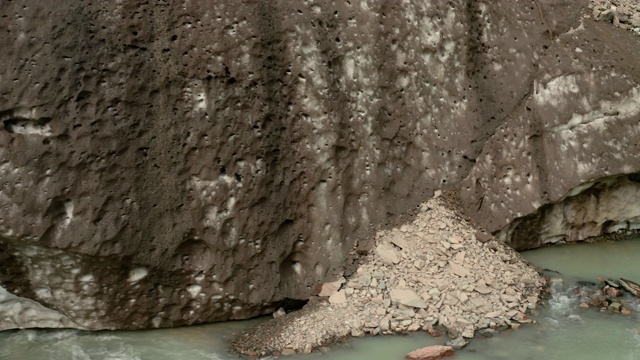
<point x="564" y="330"/>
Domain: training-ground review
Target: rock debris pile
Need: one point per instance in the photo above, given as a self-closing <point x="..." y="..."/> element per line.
<point x="624" y="14"/>
<point x="431" y="272"/>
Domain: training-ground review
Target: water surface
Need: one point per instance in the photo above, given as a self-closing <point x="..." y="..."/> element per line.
<point x="564" y="331"/>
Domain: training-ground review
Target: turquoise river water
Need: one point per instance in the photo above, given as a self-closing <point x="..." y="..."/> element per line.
<point x="563" y="331"/>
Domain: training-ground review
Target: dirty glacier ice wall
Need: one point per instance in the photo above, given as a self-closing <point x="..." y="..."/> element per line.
<point x="187" y="162"/>
<point x="180" y="162"/>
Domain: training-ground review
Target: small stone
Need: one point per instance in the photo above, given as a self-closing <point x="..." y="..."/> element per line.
<point x="463" y="297"/>
<point x="615" y="306"/>
<point x="483" y="289"/>
<point x="487" y="333"/>
<point x="288" y="352"/>
<point x="338" y="298"/>
<point x="308" y="349"/>
<point x="388" y="254"/>
<point x="278" y="313"/>
<point x="328" y="289"/>
<point x="457" y="343"/>
<point x="483" y="236"/>
<point x="404" y="314"/>
<point x="468" y="332"/>
<point x="584" y="305"/>
<point x="623" y="18"/>
<point x="371" y="324"/>
<point x="400" y="242"/>
<point x="459" y="270"/>
<point x="434" y="352"/>
<point x="606" y="16"/>
<point x="349" y="291"/>
<point x="613" y="292"/>
<point x="431" y="330"/>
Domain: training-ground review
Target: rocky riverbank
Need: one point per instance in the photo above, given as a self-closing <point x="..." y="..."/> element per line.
<point x="437" y="271"/>
<point x="624" y="14"/>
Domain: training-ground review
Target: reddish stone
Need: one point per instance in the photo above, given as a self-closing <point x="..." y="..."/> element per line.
<point x="613" y="292"/>
<point x="434" y="352"/>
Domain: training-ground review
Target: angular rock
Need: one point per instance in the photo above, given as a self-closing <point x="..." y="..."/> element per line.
<point x="459" y="270"/>
<point x="483" y="236"/>
<point x="606" y="16"/>
<point x="483" y="289"/>
<point x="338" y="298"/>
<point x="584" y="305"/>
<point x="388" y="254"/>
<point x="399" y="241"/>
<point x="613" y="292"/>
<point x="434" y="352"/>
<point x="328" y="289"/>
<point x="288" y="352"/>
<point x="631" y="287"/>
<point x="407" y="297"/>
<point x="280" y="312"/>
<point x="457" y="343"/>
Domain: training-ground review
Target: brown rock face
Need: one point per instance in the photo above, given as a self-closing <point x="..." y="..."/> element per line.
<point x="170" y="163"/>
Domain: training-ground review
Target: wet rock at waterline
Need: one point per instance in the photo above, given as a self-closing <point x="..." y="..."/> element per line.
<point x="632" y="287"/>
<point x="606" y="296"/>
<point x="435" y="352"/>
<point x="217" y="160"/>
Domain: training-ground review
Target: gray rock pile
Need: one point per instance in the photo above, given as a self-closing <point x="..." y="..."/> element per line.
<point x="624" y="14"/>
<point x="431" y="272"/>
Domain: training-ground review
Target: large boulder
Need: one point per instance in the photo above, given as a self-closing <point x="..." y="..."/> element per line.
<point x="166" y="164"/>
